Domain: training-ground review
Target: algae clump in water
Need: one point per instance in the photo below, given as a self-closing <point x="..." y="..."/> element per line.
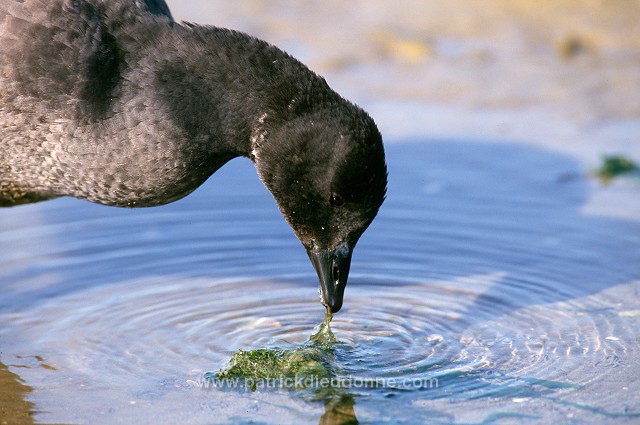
<point x="310" y="365"/>
<point x="614" y="166"/>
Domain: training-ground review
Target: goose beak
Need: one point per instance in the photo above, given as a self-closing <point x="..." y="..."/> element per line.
<point x="333" y="269"/>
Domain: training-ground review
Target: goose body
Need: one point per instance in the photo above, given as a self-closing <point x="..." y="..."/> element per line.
<point x="116" y="103"/>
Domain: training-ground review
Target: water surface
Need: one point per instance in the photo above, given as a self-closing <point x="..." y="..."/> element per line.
<point x="490" y="289"/>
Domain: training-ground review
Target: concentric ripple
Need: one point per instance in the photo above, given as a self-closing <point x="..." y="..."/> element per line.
<point x="480" y="280"/>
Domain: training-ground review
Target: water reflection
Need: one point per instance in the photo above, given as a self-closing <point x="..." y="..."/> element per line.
<point x="481" y="272"/>
<point x="339" y="412"/>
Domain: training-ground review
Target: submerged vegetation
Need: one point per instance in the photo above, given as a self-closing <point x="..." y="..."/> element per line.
<point x="614" y="166"/>
<point x="309" y="370"/>
<point x="304" y="367"/>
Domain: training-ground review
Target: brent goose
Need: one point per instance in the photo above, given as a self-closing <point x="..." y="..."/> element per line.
<point x="114" y="102"/>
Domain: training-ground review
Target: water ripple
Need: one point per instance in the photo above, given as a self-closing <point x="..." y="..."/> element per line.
<point x="486" y="286"/>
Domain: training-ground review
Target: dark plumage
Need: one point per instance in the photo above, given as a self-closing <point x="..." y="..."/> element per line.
<point x="115" y="103"/>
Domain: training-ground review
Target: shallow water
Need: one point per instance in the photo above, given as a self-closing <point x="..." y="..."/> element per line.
<point x="489" y="289"/>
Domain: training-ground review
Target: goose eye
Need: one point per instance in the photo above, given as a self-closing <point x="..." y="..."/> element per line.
<point x="335" y="200"/>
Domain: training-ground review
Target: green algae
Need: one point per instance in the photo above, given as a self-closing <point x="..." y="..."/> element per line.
<point x="322" y="334"/>
<point x="614" y="166"/>
<point x="309" y="370"/>
<point x="310" y="366"/>
<point x="283" y="367"/>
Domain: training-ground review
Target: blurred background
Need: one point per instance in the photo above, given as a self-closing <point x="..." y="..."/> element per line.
<point x="564" y="74"/>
